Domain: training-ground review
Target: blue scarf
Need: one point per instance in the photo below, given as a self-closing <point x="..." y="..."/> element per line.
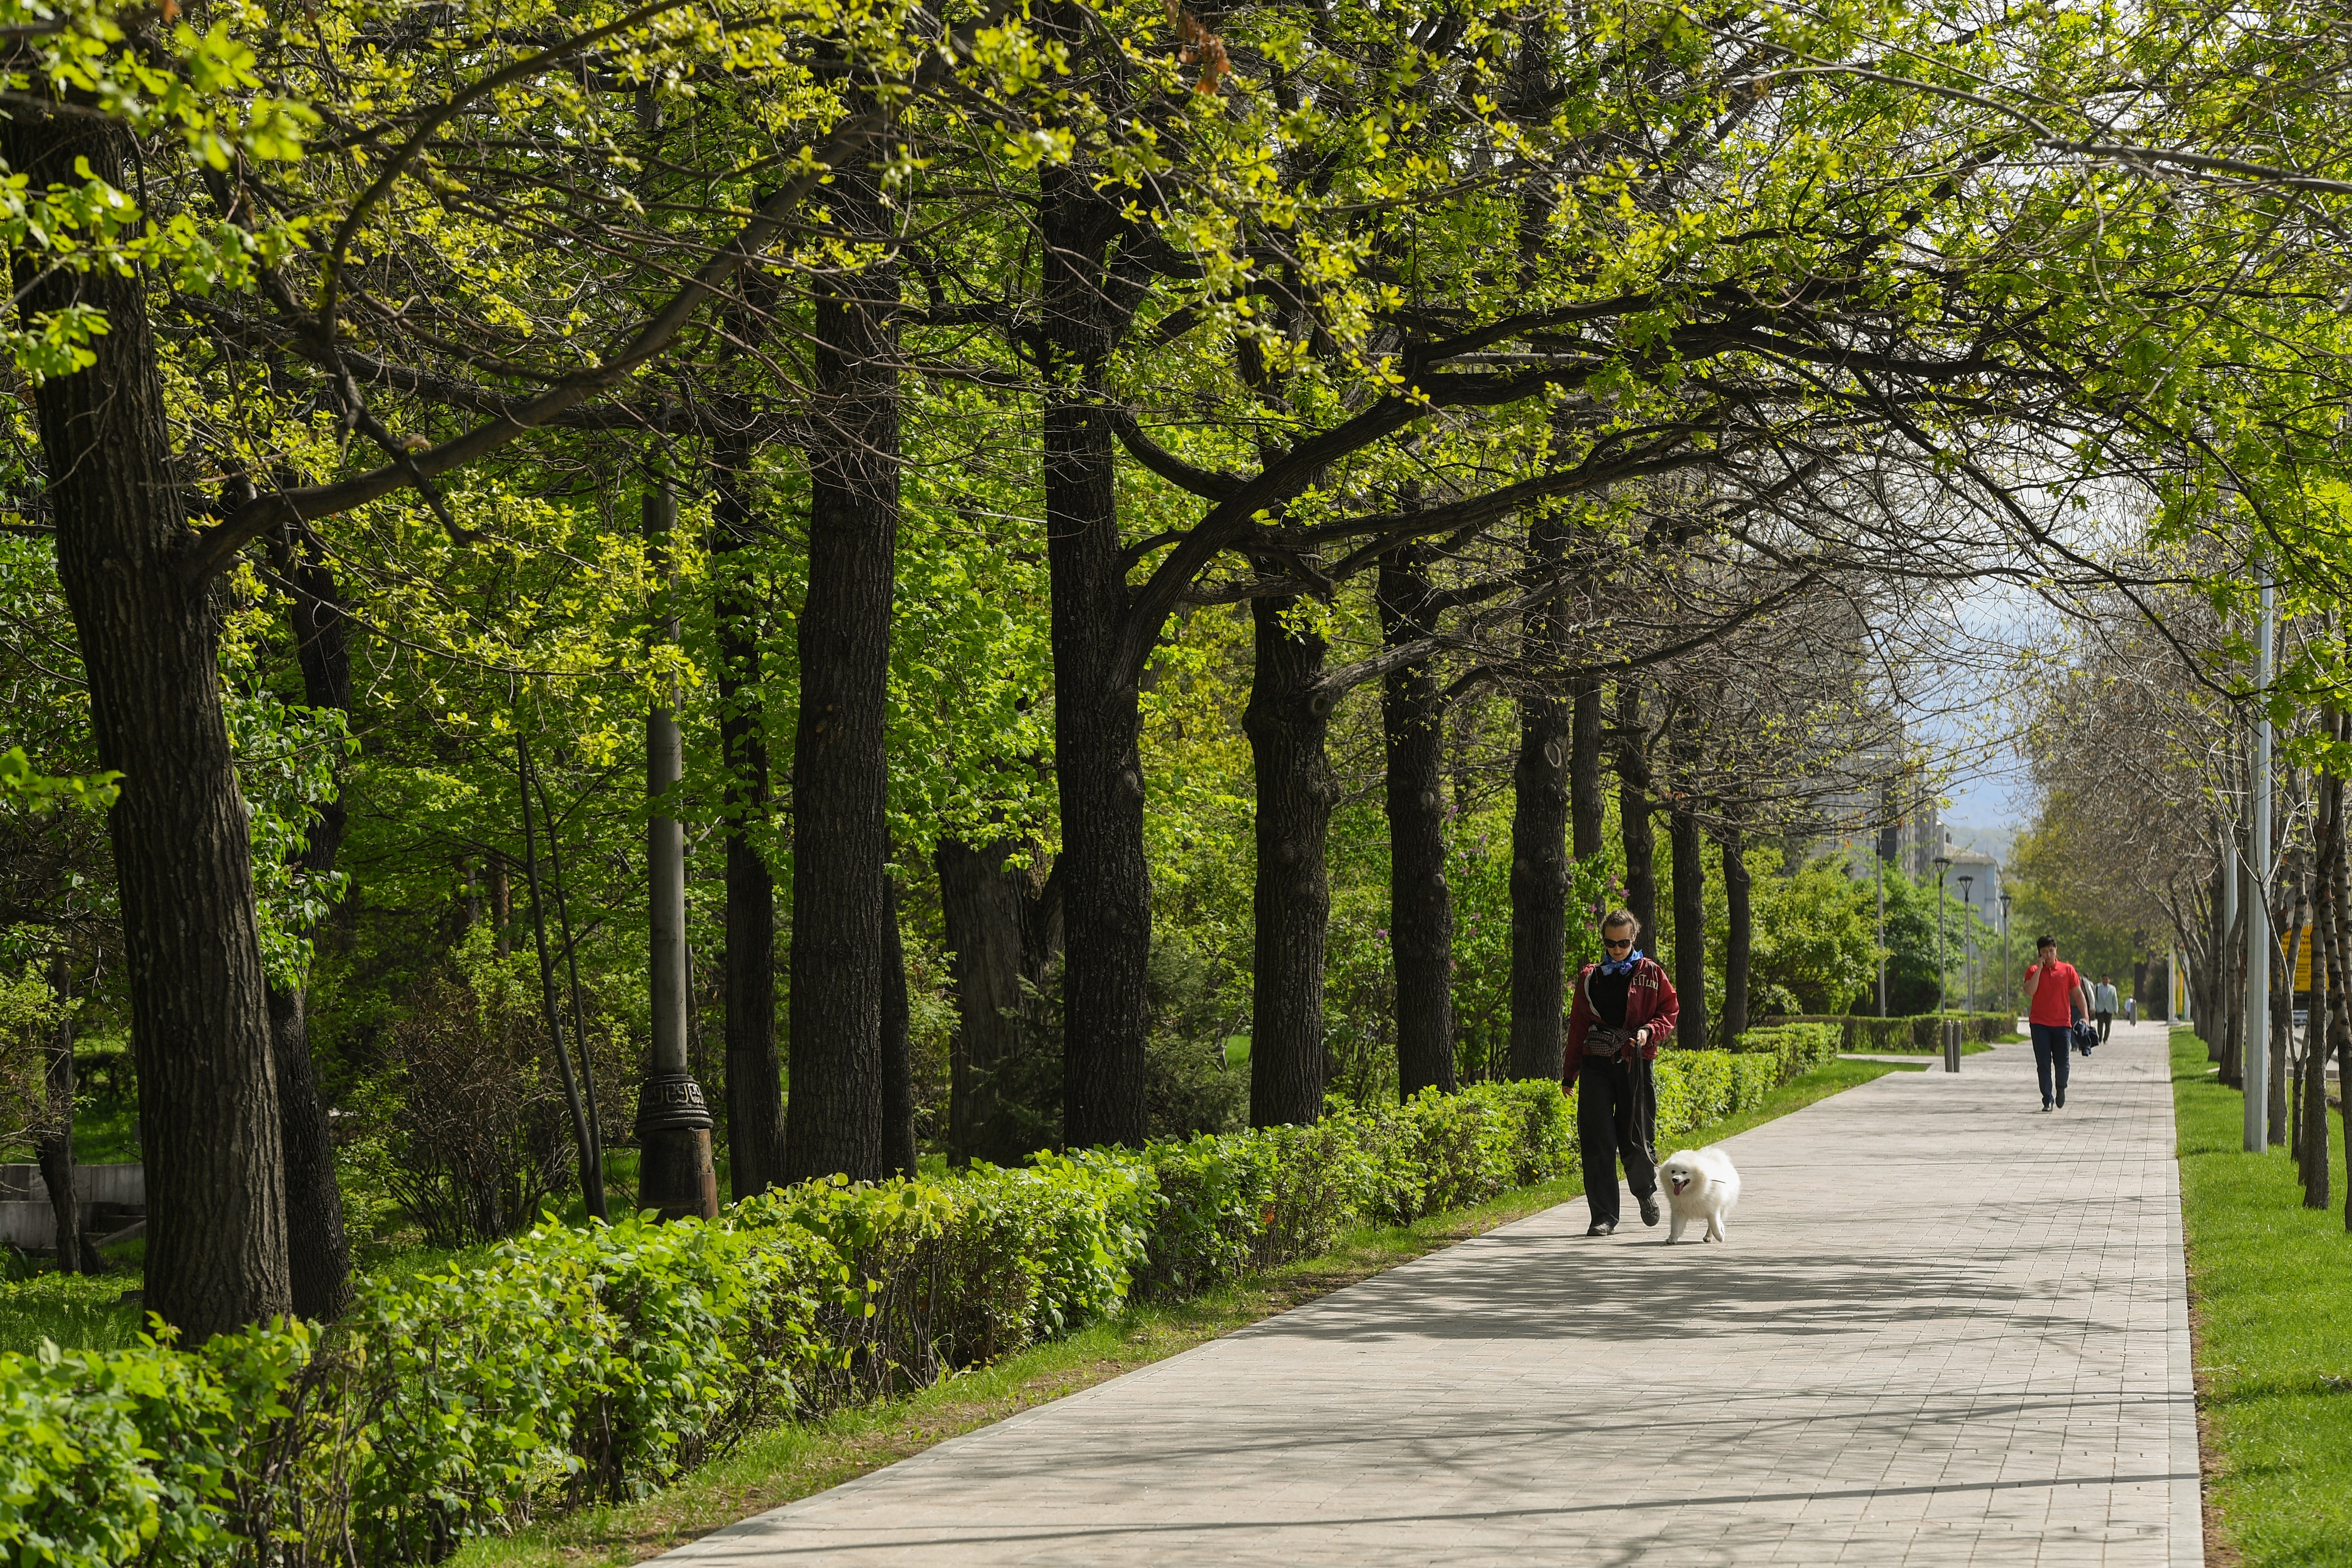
<point x="1621" y="966"/>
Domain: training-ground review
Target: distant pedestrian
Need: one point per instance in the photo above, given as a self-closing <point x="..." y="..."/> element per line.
<point x="2058" y="994"/>
<point x="1624" y="1006"/>
<point x="2131" y="1008"/>
<point x="2102" y="998"/>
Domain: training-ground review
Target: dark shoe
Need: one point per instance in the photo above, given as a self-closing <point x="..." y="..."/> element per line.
<point x="2062" y="1102"/>
<point x="1649" y="1202"/>
<point x="1600" y="1228"/>
<point x="2045" y="1105"/>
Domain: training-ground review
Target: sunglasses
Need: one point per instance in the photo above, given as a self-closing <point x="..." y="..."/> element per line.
<point x="1613" y="942"/>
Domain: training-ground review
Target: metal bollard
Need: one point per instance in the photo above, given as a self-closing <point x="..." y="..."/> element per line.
<point x="1951" y="1045"/>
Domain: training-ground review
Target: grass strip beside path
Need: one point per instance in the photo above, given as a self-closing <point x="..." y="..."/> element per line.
<point x="792" y="1462"/>
<point x="2270" y="1297"/>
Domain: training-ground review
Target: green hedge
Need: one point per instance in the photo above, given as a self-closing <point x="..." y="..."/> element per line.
<point x="580" y="1365"/>
<point x="1916" y="1033"/>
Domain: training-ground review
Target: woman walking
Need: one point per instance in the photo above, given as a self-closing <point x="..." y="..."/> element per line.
<point x="1624" y="1006"/>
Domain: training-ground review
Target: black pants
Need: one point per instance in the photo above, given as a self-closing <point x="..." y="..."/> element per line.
<point x="2107" y="1022"/>
<point x="2052" y="1041"/>
<point x="1616" y="1109"/>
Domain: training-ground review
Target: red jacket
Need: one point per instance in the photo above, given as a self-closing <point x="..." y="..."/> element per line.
<point x="1650" y="1002"/>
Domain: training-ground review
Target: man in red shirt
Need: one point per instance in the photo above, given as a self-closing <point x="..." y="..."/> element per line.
<point x="2057" y="991"/>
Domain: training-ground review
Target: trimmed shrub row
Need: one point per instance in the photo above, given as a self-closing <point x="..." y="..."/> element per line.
<point x="583" y="1364"/>
<point x="1918" y="1031"/>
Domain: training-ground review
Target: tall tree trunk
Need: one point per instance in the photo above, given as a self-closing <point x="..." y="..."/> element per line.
<point x="897" y="1050"/>
<point x="583" y="1130"/>
<point x="319" y="1255"/>
<point x="999" y="934"/>
<point x="1738" y="937"/>
<point x="1690" y="926"/>
<point x="53" y="1140"/>
<point x="755" y="1083"/>
<point x="841" y="832"/>
<point x="501" y="907"/>
<point x="2312" y="1120"/>
<point x="1286" y="721"/>
<point x="209" y="1129"/>
<point x="1540" y="837"/>
<point x="1587" y="806"/>
<point x="2280" y="1013"/>
<point x="1633" y="812"/>
<point x="2340" y="984"/>
<point x="1421" y="906"/>
<point x="1098" y="762"/>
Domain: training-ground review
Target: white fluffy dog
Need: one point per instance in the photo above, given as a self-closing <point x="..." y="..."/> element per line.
<point x="1700" y="1185"/>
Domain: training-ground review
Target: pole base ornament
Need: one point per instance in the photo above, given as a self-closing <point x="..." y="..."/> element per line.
<point x="675" y="1175"/>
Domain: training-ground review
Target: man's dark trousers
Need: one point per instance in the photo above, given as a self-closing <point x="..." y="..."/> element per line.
<point x="1616" y="1107"/>
<point x="2107" y="1022"/>
<point x="2052" y="1041"/>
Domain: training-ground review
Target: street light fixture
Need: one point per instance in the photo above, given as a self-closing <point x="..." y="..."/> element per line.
<point x="2008" y="972"/>
<point x="1967" y="946"/>
<point x="1943" y="863"/>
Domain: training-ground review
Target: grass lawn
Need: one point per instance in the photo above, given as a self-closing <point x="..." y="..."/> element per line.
<point x="2270" y="1299"/>
<point x="787" y="1462"/>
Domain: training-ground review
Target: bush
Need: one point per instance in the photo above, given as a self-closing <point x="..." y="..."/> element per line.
<point x="482" y="1136"/>
<point x="577" y="1364"/>
<point x="1916" y="1031"/>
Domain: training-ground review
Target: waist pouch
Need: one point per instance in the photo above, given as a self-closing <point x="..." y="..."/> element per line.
<point x="1607" y="1043"/>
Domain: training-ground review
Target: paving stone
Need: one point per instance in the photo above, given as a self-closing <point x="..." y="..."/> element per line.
<point x="1947" y="1329"/>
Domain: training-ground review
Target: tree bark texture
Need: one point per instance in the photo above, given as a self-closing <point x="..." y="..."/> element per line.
<point x="2311" y="1122"/>
<point x="1286" y="721"/>
<point x="1633" y="812"/>
<point x="1690" y="926"/>
<point x="1540" y="785"/>
<point x="2279" y="1013"/>
<point x="2312" y="1153"/>
<point x="200" y="1011"/>
<point x="2339" y="1039"/>
<point x="1421" y="906"/>
<point x="1738" y="937"/>
<point x="898" y="1052"/>
<point x="1098" y="763"/>
<point x="840" y="834"/>
<point x="1588" y="807"/>
<point x="318" y="1254"/>
<point x="1002" y="928"/>
<point x="755" y="1082"/>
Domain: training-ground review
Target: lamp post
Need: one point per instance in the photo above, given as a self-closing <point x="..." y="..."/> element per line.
<point x="675" y="1171"/>
<point x="1878" y="870"/>
<point x="1943" y="864"/>
<point x="1967" y="946"/>
<point x="2008" y="971"/>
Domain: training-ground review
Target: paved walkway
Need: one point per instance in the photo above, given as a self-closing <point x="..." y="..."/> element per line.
<point x="1947" y="1329"/>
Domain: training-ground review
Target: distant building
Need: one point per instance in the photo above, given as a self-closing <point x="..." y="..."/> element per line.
<point x="1912" y="837"/>
<point x="1983" y="872"/>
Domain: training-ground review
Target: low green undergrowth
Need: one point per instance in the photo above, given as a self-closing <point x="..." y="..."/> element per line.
<point x="2269" y="1281"/>
<point x="592" y="1365"/>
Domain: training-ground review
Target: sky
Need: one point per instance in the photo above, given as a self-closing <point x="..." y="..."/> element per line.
<point x="1962" y="714"/>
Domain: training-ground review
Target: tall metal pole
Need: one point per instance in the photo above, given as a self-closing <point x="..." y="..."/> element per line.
<point x="2259" y="953"/>
<point x="1880" y="864"/>
<point x="1943" y="964"/>
<point x="2008" y="969"/>
<point x="675" y="1175"/>
<point x="1967" y="945"/>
